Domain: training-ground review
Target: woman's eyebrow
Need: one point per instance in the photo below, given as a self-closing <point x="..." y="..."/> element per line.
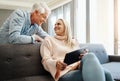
<point x="58" y="23"/>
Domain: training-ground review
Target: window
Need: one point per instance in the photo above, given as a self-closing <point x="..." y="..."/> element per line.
<point x="118" y="26"/>
<point x="94" y="22"/>
<point x="102" y="23"/>
<point x="80" y="20"/>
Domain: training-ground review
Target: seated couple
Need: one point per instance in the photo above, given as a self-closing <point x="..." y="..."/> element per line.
<point x="54" y="49"/>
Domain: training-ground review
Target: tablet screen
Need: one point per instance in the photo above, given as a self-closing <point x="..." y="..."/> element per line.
<point x="73" y="56"/>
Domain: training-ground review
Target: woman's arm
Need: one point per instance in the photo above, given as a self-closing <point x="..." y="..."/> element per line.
<point x="46" y="53"/>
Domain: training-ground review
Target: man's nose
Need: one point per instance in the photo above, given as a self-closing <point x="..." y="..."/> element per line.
<point x="43" y="20"/>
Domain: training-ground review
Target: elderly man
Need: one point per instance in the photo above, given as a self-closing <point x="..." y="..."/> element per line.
<point x="23" y="27"/>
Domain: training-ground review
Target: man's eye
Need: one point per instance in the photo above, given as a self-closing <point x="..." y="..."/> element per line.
<point x="44" y="17"/>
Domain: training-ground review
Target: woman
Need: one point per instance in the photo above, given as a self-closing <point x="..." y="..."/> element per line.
<point x="54" y="49"/>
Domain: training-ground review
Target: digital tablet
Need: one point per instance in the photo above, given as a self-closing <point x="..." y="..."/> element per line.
<point x="73" y="56"/>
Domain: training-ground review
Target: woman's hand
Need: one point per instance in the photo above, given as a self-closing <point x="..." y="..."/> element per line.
<point x="85" y="52"/>
<point x="60" y="65"/>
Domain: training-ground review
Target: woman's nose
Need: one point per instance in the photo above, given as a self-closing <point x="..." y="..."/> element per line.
<point x="55" y="27"/>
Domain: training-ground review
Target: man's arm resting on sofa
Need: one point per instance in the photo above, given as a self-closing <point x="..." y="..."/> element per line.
<point x="114" y="58"/>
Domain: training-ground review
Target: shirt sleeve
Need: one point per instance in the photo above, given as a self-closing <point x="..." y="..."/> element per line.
<point x="16" y="23"/>
<point x="42" y="33"/>
<point x="46" y="54"/>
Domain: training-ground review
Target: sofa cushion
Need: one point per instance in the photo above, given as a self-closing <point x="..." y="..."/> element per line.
<point x="98" y="50"/>
<point x="34" y="78"/>
<point x="114" y="68"/>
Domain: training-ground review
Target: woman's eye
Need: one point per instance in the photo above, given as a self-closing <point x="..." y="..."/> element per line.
<point x="58" y="23"/>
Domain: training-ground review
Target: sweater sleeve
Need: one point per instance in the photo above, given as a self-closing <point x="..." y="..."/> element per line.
<point x="46" y="53"/>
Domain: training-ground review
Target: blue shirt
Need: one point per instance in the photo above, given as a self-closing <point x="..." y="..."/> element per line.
<point x="18" y="29"/>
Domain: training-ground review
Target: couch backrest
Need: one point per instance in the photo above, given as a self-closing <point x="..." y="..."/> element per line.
<point x="98" y="50"/>
<point x="20" y="60"/>
<point x="25" y="60"/>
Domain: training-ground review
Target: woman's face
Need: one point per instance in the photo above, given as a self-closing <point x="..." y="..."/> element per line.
<point x="59" y="28"/>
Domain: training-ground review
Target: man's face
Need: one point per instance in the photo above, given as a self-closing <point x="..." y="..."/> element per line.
<point x="40" y="17"/>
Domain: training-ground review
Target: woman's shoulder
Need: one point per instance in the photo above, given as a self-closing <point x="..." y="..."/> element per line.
<point x="48" y="39"/>
<point x="75" y="41"/>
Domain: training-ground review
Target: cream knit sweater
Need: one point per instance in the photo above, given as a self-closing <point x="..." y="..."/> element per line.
<point x="52" y="50"/>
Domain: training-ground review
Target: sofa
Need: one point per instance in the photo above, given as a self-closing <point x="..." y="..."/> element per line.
<point x="22" y="62"/>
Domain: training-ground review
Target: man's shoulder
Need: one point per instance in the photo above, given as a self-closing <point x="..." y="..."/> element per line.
<point x="20" y="12"/>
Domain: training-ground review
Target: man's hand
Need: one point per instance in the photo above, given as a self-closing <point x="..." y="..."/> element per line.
<point x="37" y="38"/>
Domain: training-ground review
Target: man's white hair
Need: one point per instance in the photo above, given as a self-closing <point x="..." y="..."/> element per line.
<point x="42" y="7"/>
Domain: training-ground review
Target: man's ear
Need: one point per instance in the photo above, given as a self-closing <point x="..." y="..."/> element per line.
<point x="36" y="12"/>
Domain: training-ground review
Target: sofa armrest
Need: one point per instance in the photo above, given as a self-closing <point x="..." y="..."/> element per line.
<point x="114" y="58"/>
